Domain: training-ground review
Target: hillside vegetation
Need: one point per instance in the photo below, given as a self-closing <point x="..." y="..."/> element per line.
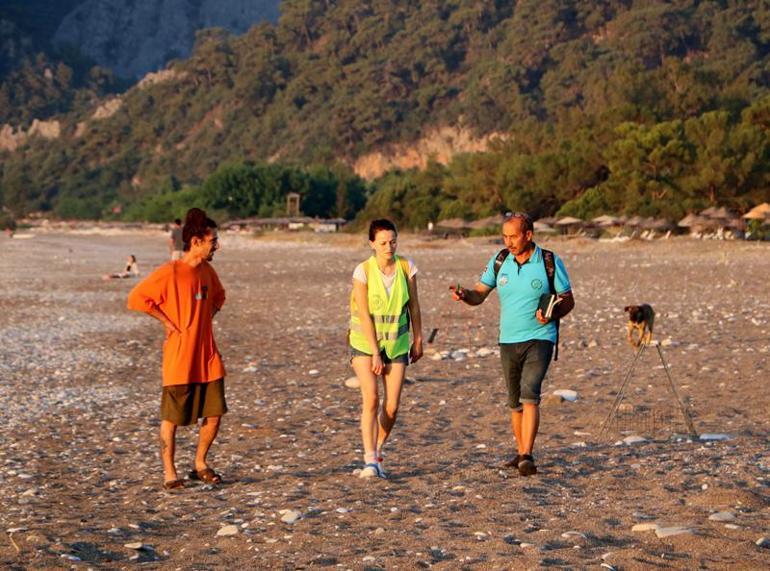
<point x="653" y="108"/>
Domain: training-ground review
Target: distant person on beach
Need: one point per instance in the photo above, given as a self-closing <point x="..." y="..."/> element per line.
<point x="132" y="270"/>
<point x="383" y="302"/>
<point x="520" y="272"/>
<point x="175" y="242"/>
<point x="184" y="295"/>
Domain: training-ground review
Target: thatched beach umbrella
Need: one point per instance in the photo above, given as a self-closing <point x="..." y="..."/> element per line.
<point x="759" y="212"/>
<point x="687" y="221"/>
<point x="487" y="222"/>
<point x="606" y="220"/>
<point x="543" y="228"/>
<point x="453" y="224"/>
<point x="657" y="224"/>
<point x="698" y="223"/>
<point x="635" y="222"/>
<point x="569" y="221"/>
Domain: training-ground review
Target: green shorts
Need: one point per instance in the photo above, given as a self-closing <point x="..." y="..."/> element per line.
<point x="185" y="404"/>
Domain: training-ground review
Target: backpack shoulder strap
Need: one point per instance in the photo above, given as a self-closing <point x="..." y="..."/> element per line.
<point x="550" y="268"/>
<point x="499" y="259"/>
<point x="550" y="272"/>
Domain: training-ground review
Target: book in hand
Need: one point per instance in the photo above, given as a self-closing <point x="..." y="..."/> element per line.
<point x="547" y="303"/>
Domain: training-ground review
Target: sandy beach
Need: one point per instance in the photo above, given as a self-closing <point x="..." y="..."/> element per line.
<point x="81" y="478"/>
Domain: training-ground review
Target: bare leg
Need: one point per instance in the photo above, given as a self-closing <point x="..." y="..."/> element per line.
<point x="393" y="378"/>
<point x="370" y="403"/>
<point x="516" y="427"/>
<point x="529" y="425"/>
<point x="208" y="432"/>
<point x="167" y="449"/>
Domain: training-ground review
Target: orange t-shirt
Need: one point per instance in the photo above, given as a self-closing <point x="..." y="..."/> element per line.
<point x="188" y="297"/>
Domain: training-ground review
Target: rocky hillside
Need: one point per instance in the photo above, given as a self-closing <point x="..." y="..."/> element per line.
<point x="132" y="38"/>
<point x="557" y="89"/>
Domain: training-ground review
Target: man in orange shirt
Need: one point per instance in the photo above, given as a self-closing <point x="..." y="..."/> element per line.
<point x="185" y="295"/>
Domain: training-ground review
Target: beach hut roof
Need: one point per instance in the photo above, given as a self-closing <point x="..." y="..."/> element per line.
<point x="716" y="213"/>
<point x="542" y="227"/>
<point x="759" y="212"/>
<point x="688" y="221"/>
<point x="695" y="221"/>
<point x="606" y="220"/>
<point x="635" y="221"/>
<point x="452" y="223"/>
<point x="548" y="220"/>
<point x="485" y="222"/>
<point x="569" y="221"/>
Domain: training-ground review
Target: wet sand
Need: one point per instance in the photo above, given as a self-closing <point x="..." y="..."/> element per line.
<point x="81" y="478"/>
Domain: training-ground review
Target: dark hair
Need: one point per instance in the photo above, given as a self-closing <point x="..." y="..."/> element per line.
<point x="196" y="225"/>
<point x="177" y="221"/>
<point x="133" y="258"/>
<point x="525" y="218"/>
<point x="380" y="224"/>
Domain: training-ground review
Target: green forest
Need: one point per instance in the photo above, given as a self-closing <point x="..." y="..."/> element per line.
<point x="647" y="107"/>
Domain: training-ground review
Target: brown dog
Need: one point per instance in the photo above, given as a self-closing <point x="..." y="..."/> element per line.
<point x="640" y="320"/>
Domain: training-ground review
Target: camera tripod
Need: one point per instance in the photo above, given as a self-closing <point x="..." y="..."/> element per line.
<point x="621" y="393"/>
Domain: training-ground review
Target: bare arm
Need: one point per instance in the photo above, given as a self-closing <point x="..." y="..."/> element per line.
<point x="475" y="296"/>
<point x="414" y="312"/>
<point x="163" y="318"/>
<point x="361" y="295"/>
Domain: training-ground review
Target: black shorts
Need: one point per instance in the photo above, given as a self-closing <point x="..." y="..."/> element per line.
<point x="524" y="368"/>
<point x="403" y="359"/>
<point x="185" y="404"/>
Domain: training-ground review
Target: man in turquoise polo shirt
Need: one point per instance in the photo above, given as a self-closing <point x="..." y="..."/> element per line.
<point x="527" y="338"/>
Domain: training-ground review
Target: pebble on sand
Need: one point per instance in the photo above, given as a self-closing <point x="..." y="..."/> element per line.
<point x="662" y="532"/>
<point x="633" y="439"/>
<point x="645" y="527"/>
<point x="763" y="542"/>
<point x="567" y="394"/>
<point x="710" y="436"/>
<point x="290" y="516"/>
<point x="722" y="516"/>
<point x="227" y="531"/>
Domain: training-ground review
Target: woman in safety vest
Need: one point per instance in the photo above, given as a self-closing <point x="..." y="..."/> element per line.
<point x="383" y="302"/>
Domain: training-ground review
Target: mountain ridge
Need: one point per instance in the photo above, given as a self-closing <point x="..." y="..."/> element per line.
<point x="337" y="81"/>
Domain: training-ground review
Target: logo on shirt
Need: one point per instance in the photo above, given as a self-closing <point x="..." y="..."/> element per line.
<point x="203" y="293"/>
<point x="537" y="284"/>
<point x="376" y="303"/>
<point x="503" y="279"/>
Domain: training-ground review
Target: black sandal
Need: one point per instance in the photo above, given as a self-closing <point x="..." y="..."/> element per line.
<point x="527" y="465"/>
<point x="173" y="484"/>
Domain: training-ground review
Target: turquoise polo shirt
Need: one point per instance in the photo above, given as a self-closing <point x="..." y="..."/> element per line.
<point x="519" y="288"/>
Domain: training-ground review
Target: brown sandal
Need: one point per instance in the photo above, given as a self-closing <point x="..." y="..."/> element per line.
<point x="207" y="475"/>
<point x="173" y="484"/>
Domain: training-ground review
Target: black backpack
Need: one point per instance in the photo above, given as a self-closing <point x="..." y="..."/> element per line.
<point x="550" y="271"/>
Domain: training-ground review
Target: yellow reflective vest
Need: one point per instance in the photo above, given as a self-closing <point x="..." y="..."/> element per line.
<point x="389" y="312"/>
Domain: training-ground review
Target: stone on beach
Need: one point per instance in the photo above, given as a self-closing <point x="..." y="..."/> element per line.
<point x="352" y="383"/>
<point x="290" y="516"/>
<point x="567" y="394"/>
<point x="714" y="437"/>
<point x="722" y="516"/>
<point x="227" y="531"/>
<point x="645" y="527"/>
<point x="662" y="532"/>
